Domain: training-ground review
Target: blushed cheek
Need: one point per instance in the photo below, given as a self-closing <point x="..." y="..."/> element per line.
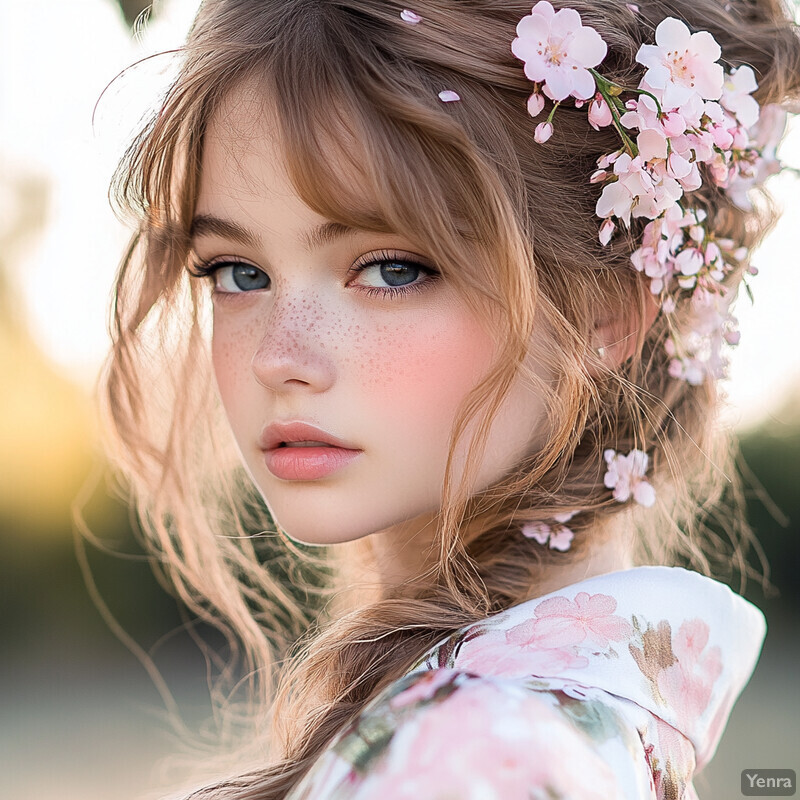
<point x="427" y="365"/>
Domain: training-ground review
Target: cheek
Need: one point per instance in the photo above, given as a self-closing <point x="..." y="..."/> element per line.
<point x="232" y="349"/>
<point x="427" y="364"/>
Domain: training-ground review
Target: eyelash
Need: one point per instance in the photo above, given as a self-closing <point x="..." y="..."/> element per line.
<point x="208" y="268"/>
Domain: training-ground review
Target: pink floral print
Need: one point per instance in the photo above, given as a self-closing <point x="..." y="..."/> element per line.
<point x="687" y="684"/>
<point x="588" y="619"/>
<point x="615" y="687"/>
<point x="479" y="742"/>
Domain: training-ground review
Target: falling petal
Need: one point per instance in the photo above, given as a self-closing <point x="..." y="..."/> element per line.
<point x="411" y="17"/>
<point x="448" y="96"/>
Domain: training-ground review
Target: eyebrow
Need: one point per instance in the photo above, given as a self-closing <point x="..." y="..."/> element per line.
<point x="209" y="225"/>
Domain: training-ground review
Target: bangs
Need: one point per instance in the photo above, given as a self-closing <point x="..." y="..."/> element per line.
<point x="369" y="144"/>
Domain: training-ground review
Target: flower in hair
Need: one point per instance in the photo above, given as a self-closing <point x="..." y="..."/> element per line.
<point x="682" y="64"/>
<point x="686" y="124"/>
<point x="557" y="535"/>
<point x="558" y="51"/>
<point x="626" y="476"/>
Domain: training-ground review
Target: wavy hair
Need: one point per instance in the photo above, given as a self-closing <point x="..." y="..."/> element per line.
<point x="512" y="225"/>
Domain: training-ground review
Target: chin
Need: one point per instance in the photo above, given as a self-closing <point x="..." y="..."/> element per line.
<point x="320" y="532"/>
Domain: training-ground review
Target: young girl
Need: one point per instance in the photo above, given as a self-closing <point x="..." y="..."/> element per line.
<point x="452" y="284"/>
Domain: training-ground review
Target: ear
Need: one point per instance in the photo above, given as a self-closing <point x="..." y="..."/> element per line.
<point x="616" y="336"/>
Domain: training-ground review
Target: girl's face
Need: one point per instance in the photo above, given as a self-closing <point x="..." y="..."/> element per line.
<point x="350" y="332"/>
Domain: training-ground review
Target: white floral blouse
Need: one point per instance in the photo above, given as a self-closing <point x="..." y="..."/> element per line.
<point x="615" y="687"/>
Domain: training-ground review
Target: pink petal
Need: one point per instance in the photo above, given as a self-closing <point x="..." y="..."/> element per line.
<point x="672" y="34"/>
<point x="599" y="113"/>
<point x="679" y="167"/>
<point x="559" y="83"/>
<point x="674" y="124"/>
<point x="606" y="232"/>
<point x="622" y="492"/>
<point x="543" y="131"/>
<point x="535" y="104"/>
<point x="583" y="85"/>
<point x="543" y="9"/>
<point x="411" y="17"/>
<point x="448" y="96"/>
<point x="534" y="28"/>
<point x="561" y="540"/>
<point x="644" y="494"/>
<point x="709" y="81"/>
<point x="587" y="47"/>
<point x="689" y="261"/>
<point x="651" y="145"/>
<point x="566" y="21"/>
<point x="648" y="55"/>
<point x="704" y="45"/>
<point x="536" y="530"/>
<point x="536" y="70"/>
<point x="744" y="79"/>
<point x="526" y="50"/>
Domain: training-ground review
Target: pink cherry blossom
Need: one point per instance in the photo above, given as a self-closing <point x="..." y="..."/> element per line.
<point x="737" y="95"/>
<point x="639" y="191"/>
<point x="560" y="622"/>
<point x="711" y="327"/>
<point x="539" y="531"/>
<point x="687" y="684"/>
<point x="626" y="476"/>
<point x="682" y="64"/>
<point x="558" y="536"/>
<point x="558" y="51"/>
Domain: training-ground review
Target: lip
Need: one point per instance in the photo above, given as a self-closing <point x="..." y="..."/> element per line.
<point x="306" y="463"/>
<point x="277" y="433"/>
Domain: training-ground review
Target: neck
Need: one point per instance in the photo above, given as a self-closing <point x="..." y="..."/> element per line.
<point x="405" y="550"/>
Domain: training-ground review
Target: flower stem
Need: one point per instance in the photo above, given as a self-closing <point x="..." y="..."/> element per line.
<point x="610" y="92"/>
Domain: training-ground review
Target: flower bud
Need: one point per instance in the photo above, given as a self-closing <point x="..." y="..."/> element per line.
<point x="544" y="130"/>
<point x="599" y="113"/>
<point x="535" y="104"/>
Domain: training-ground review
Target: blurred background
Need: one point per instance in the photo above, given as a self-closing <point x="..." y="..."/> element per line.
<point x="80" y="717"/>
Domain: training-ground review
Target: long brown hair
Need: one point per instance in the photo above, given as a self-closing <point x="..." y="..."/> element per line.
<point x="511" y="224"/>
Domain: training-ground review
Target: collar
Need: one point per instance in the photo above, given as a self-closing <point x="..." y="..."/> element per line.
<point x="674" y="642"/>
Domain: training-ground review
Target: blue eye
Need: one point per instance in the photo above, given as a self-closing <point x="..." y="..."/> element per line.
<point x="392" y="273"/>
<point x="233" y="277"/>
<point x="392" y="276"/>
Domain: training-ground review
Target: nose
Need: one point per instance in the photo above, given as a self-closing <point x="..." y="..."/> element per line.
<point x="294" y="352"/>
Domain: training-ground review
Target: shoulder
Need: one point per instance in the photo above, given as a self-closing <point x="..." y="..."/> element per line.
<point x="448" y="733"/>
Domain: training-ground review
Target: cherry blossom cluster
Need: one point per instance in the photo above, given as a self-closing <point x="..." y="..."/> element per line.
<point x="687" y="122"/>
<point x="557" y="534"/>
